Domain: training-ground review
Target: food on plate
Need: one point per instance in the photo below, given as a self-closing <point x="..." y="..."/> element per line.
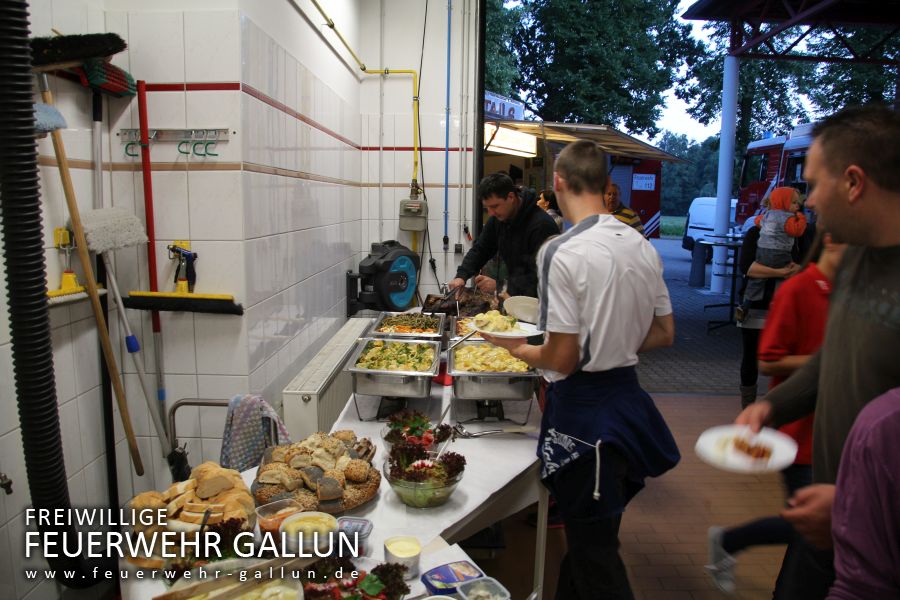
<point x="494" y="321"/>
<point x="414" y="427"/>
<point x="384" y="582"/>
<point x="483" y="588"/>
<point x="756" y="451"/>
<point x="269" y="516"/>
<point x="469" y="301"/>
<point x="413" y="323"/>
<point x="212" y="494"/>
<point x="486" y="358"/>
<point x="396" y="356"/>
<point x="338" y="474"/>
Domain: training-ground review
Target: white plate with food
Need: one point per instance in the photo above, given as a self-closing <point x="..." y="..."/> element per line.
<point x="735" y="448"/>
<point x="500" y="325"/>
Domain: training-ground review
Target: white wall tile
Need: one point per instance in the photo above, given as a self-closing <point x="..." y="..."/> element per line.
<point x="179" y="341"/>
<point x="215" y="110"/>
<point x="95" y="481"/>
<point x="137" y="404"/>
<point x="212" y="449"/>
<point x="86" y="347"/>
<point x="221" y="343"/>
<point x="71" y="437"/>
<point x="212" y="420"/>
<point x="7" y="579"/>
<point x="90" y="420"/>
<point x="78" y="496"/>
<point x="16" y="529"/>
<point x="9" y="414"/>
<point x="212" y="44"/>
<point x="124" y="472"/>
<point x="147" y="481"/>
<point x="170" y="205"/>
<point x="156" y="42"/>
<point x="222" y="386"/>
<point x="12" y="462"/>
<point x="216" y="206"/>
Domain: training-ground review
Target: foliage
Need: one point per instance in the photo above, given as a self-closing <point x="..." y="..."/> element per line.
<point x="603" y="61"/>
<point x="837" y="85"/>
<point x="682" y="182"/>
<point x="672" y="227"/>
<point x="768" y="90"/>
<point x="500" y="70"/>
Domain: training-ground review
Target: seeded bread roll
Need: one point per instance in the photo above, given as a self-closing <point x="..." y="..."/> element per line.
<point x="311" y="476"/>
<point x="301" y="457"/>
<point x="357" y="471"/>
<point x="336" y="475"/>
<point x="345" y="435"/>
<point x="268" y="493"/>
<point x="329" y="489"/>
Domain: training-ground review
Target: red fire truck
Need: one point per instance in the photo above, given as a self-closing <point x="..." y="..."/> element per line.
<point x="772" y="162"/>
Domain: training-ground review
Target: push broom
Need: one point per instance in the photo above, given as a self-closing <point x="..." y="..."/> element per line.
<point x="51" y="54"/>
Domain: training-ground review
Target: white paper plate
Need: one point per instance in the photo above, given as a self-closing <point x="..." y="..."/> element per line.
<point x="715" y="447"/>
<point x="524" y="308"/>
<point x="521" y="330"/>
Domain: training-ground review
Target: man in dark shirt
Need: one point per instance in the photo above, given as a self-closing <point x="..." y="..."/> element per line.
<point x="852" y="171"/>
<point x="516" y="230"/>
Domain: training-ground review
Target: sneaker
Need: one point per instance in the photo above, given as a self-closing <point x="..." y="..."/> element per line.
<point x="721" y="567"/>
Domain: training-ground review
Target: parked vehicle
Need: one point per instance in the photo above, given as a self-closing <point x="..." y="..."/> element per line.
<point x="771" y="162"/>
<point x="701" y="220"/>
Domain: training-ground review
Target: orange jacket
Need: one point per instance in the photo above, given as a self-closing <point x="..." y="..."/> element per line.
<point x="780" y="199"/>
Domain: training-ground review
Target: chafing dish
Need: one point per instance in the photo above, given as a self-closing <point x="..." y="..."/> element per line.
<point x="454" y="334"/>
<point x="468" y="385"/>
<point x="438" y="334"/>
<point x="403" y="384"/>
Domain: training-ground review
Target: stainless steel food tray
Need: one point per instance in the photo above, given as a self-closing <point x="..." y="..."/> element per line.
<point x="402" y="384"/>
<point x="453" y="335"/>
<point x="373" y="331"/>
<point x="490" y="386"/>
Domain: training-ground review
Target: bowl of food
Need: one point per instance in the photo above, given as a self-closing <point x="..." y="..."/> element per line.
<point x="416" y="428"/>
<point x="269" y="516"/>
<point x="420" y="478"/>
<point x="311" y="530"/>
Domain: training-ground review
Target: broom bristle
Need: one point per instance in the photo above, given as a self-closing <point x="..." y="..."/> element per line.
<point x="66" y="48"/>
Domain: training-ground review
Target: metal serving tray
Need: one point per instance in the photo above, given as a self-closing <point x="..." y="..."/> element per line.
<point x="490" y="386"/>
<point x="373" y="331"/>
<point x="453" y="335"/>
<point x="403" y="384"/>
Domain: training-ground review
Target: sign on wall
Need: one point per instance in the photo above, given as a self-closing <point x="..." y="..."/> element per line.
<point x="643" y="182"/>
<point x="501" y="107"/>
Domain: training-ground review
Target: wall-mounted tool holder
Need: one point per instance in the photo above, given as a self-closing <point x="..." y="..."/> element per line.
<point x="196" y="142"/>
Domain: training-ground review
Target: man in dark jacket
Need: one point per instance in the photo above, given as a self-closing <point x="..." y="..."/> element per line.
<point x="516" y="230"/>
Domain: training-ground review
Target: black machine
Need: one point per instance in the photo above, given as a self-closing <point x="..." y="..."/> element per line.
<point x="386" y="280"/>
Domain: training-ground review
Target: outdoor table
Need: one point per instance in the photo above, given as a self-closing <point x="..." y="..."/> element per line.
<point x="732" y="246"/>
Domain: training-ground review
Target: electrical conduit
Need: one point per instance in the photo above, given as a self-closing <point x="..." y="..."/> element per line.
<point x="23" y="252"/>
<point x="447" y="136"/>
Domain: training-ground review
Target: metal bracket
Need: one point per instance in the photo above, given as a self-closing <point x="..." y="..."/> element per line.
<point x="220" y="134"/>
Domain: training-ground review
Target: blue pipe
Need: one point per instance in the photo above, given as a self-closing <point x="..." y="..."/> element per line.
<point x="447" y="137"/>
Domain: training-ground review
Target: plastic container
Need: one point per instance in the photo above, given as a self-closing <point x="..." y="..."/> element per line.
<point x="356" y="526"/>
<point x="269" y="516"/>
<point x="485" y="588"/>
<point x="443" y="580"/>
<point x="314" y="526"/>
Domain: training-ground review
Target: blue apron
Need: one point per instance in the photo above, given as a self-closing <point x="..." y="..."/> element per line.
<point x="609" y="407"/>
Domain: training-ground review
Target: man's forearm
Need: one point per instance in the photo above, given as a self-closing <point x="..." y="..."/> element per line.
<point x="796" y="396"/>
<point x="783" y="366"/>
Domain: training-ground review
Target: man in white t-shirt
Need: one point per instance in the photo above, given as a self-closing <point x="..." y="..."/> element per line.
<point x="602" y="300"/>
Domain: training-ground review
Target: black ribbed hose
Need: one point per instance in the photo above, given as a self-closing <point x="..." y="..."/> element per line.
<point x="23" y="252"/>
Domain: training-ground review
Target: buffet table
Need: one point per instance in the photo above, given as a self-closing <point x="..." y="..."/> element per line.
<point x="501" y="478"/>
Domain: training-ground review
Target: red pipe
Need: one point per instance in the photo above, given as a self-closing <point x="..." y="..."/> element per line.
<point x="148" y="194"/>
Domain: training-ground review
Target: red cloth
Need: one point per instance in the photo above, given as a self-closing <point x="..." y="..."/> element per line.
<point x="796" y="326"/>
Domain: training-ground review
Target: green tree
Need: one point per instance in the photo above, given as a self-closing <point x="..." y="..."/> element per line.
<point x="836" y="85"/>
<point x="602" y="61"/>
<point x="682" y="182"/>
<point x="768" y="90"/>
<point x="500" y="70"/>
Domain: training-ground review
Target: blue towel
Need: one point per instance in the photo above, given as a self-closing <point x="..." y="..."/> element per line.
<point x="47" y="118"/>
<point x="249" y="418"/>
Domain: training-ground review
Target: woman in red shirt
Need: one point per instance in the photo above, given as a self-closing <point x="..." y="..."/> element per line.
<point x="794" y="331"/>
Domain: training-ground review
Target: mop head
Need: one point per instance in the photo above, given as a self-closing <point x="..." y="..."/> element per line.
<point x="47" y="118"/>
<point x="98" y="74"/>
<point x="180" y="302"/>
<point x="111" y="228"/>
<point x="46" y="51"/>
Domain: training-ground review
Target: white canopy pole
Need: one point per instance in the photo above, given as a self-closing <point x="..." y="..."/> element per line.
<point x="719" y="279"/>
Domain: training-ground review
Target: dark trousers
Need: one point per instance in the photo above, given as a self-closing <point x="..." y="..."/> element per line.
<point x="768" y="530"/>
<point x="592" y="568"/>
<point x="806" y="573"/>
<point x="750" y="346"/>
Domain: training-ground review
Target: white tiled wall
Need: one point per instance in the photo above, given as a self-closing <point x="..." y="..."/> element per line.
<point x="290" y="204"/>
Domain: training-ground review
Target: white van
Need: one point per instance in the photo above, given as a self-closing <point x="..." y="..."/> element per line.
<point x="701" y="220"/>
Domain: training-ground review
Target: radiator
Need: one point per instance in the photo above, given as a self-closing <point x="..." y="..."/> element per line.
<point x="314" y="399"/>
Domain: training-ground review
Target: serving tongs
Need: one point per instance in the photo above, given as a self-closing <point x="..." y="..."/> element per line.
<point x="461" y="340"/>
<point x="464" y="433"/>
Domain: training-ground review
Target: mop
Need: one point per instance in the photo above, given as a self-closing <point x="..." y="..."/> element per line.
<point x="49" y="54"/>
<point x="108" y="229"/>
